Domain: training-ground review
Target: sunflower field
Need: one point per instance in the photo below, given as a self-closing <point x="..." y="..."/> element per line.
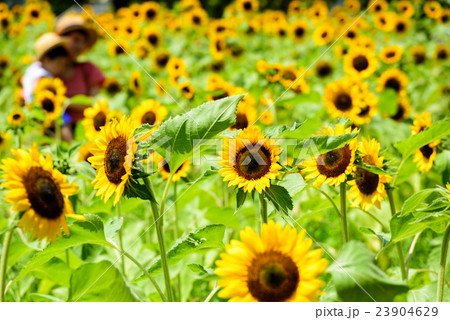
<point x="299" y="155"/>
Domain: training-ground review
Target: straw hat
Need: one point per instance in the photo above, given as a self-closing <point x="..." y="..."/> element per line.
<point x="75" y="22"/>
<point x="49" y="41"/>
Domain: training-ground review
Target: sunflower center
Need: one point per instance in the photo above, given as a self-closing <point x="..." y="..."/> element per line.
<point x="153" y="39"/>
<point x="400" y="27"/>
<point x="99" y="120"/>
<point x="48" y="105"/>
<point x="426" y="151"/>
<point x="324" y="34"/>
<point x="272" y="276"/>
<point x="44" y="193"/>
<point x="442" y="54"/>
<point x="299" y="32"/>
<point x="364" y="111"/>
<point x="343" y="101"/>
<point x="335" y="162"/>
<point x="324" y="70"/>
<point x="167" y="168"/>
<point x="113" y="88"/>
<point x="400" y="113"/>
<point x="196" y="20"/>
<point x="367" y="182"/>
<point x="247" y="6"/>
<point x="114" y="159"/>
<point x="119" y="50"/>
<point x="351" y="34"/>
<point x="241" y="121"/>
<point x="253" y="162"/>
<point x="150" y="14"/>
<point x="419" y="57"/>
<point x="162" y="60"/>
<point x="149" y="118"/>
<point x="390" y="54"/>
<point x="393" y="83"/>
<point x="360" y="63"/>
<point x="35" y="13"/>
<point x="16" y="116"/>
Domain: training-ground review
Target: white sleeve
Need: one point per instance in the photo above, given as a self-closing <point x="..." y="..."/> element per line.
<point x="31" y="78"/>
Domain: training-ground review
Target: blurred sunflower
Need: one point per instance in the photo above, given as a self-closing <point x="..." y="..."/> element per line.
<point x="135" y="83"/>
<point x="153" y="36"/>
<point x="196" y="17"/>
<point x="112" y="85"/>
<point x="368" y="106"/>
<point x="113" y="156"/>
<point x="16" y="118"/>
<point x="34" y="13"/>
<point x="148" y="112"/>
<point x="250" y="160"/>
<point x="406" y="8"/>
<point x="334" y="166"/>
<point x="39" y="191"/>
<point x="318" y="11"/>
<point x="360" y="62"/>
<point x="150" y="10"/>
<point x="84" y="154"/>
<point x="266" y="117"/>
<point x="401" y="25"/>
<point x="403" y="109"/>
<point x="441" y="52"/>
<point x="50" y="103"/>
<point x="54" y="85"/>
<point x="385" y="21"/>
<point x="288" y="75"/>
<point x="187" y="89"/>
<point x="164" y="169"/>
<point x="217" y="47"/>
<point x="176" y="67"/>
<point x="274" y="71"/>
<point x="432" y="9"/>
<point x="95" y="118"/>
<point x="278" y="266"/>
<point x="5" y="139"/>
<point x="391" y="54"/>
<point x="129" y="30"/>
<point x="323" y="34"/>
<point x="341" y="98"/>
<point x="424" y="157"/>
<point x="443" y="19"/>
<point x="376" y="6"/>
<point x="352" y="5"/>
<point x="118" y="47"/>
<point x="368" y="188"/>
<point x="160" y="59"/>
<point x="394" y="79"/>
<point x="245" y="116"/>
<point x="247" y="5"/>
<point x="295" y="7"/>
<point x="142" y="49"/>
<point x="4" y="21"/>
<point x="419" y="54"/>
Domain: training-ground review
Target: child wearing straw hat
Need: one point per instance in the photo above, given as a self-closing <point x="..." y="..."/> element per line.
<point x="52" y="60"/>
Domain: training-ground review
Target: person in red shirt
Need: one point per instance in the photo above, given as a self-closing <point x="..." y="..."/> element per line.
<point x="83" y="78"/>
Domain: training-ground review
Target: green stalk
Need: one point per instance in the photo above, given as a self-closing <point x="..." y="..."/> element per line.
<point x="120" y="239"/>
<point x="344" y="212"/>
<point x="329" y="199"/>
<point x="441" y="277"/>
<point x="4" y="263"/>
<point x="399" y="244"/>
<point x="159" y="231"/>
<point x="176" y="235"/>
<point x="263" y="208"/>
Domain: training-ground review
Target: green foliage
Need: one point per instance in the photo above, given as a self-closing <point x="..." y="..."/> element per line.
<point x="387" y="102"/>
<point x="357" y="277"/>
<point x="279" y="197"/>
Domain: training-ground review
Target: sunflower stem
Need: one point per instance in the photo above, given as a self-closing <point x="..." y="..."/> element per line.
<point x="4" y="263"/>
<point x="329" y="199"/>
<point x="176" y="235"/>
<point x="120" y="238"/>
<point x="159" y="231"/>
<point x="443" y="262"/>
<point x="344" y="212"/>
<point x="263" y="209"/>
<point x="140" y="266"/>
<point x="399" y="244"/>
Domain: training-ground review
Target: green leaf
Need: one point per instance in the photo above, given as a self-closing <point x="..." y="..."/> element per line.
<point x="205" y="274"/>
<point x="357" y="278"/>
<point x="80" y="99"/>
<point x="112" y="227"/>
<point x="177" y="137"/>
<point x="223" y="215"/>
<point x="81" y="232"/>
<point x="38" y="297"/>
<point x="317" y="145"/>
<point x="370" y="168"/>
<point x="312" y="97"/>
<point x="55" y="270"/>
<point x="384" y="237"/>
<point x="387" y="102"/>
<point x="205" y="238"/>
<point x="413" y="202"/>
<point x="435" y="132"/>
<point x="240" y="199"/>
<point x="135" y="189"/>
<point x="276" y="131"/>
<point x="142" y="131"/>
<point x="280" y="198"/>
<point x="85" y="169"/>
<point x="99" y="282"/>
<point x="293" y="183"/>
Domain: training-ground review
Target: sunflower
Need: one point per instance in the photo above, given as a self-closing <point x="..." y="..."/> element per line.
<point x="274" y="71"/>
<point x="419" y="54"/>
<point x="318" y="11"/>
<point x="118" y="47"/>
<point x="403" y="109"/>
<point x="187" y="89"/>
<point x="360" y="62"/>
<point x="444" y="18"/>
<point x="278" y="266"/>
<point x="176" y="67"/>
<point x="295" y="7"/>
<point x="164" y="169"/>
<point x="4" y="62"/>
<point x="368" y="188"/>
<point x="217" y="46"/>
<point x="4" y="22"/>
<point x="196" y="17"/>
<point x="84" y="154"/>
<point x="33" y="13"/>
<point x="266" y="117"/>
<point x="5" y="138"/>
<point x="394" y="79"/>
<point x="406" y="8"/>
<point x="342" y="98"/>
<point x="113" y="156"/>
<point x="247" y="5"/>
<point x="288" y="75"/>
<point x="142" y="49"/>
<point x="40" y="192"/>
<point x="441" y="52"/>
<point x="250" y="160"/>
<point x="153" y="36"/>
<point x="50" y="103"/>
<point x="160" y="59"/>
<point x="401" y="25"/>
<point x="150" y="10"/>
<point x="334" y="166"/>
<point x="424" y="157"/>
<point x="16" y="118"/>
<point x="352" y="5"/>
<point x="149" y="112"/>
<point x="245" y="116"/>
<point x="323" y="34"/>
<point x="368" y="107"/>
<point x="129" y="30"/>
<point x="95" y="118"/>
<point x="112" y="86"/>
<point x="391" y="54"/>
<point x="385" y="21"/>
<point x="432" y="9"/>
<point x="376" y="6"/>
<point x="54" y="85"/>
<point x="135" y="83"/>
<point x="365" y="42"/>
